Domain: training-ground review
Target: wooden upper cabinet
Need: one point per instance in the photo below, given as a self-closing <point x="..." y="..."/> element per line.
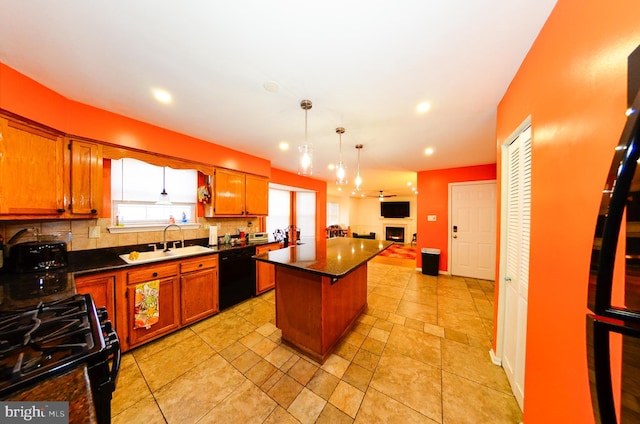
<point x="86" y="178"/>
<point x="228" y="194"/>
<point x="257" y="195"/>
<point x="235" y="193"/>
<point x="31" y="171"/>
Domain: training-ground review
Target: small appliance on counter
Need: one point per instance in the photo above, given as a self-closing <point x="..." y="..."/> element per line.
<point x="258" y="237"/>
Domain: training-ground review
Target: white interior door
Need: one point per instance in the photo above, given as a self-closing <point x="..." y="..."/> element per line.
<point x="516" y="274"/>
<point x="473" y="229"/>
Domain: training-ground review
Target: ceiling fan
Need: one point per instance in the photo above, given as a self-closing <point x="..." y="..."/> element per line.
<point x="381" y="195"/>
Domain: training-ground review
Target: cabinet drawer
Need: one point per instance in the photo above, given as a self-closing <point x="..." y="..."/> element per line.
<point x="267" y="248"/>
<point x="204" y="262"/>
<point x="142" y="275"/>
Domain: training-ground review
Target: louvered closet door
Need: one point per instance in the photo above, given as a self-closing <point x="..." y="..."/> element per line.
<point x="517" y="266"/>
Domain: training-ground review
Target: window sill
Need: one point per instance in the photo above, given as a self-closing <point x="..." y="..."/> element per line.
<point x="147" y="228"/>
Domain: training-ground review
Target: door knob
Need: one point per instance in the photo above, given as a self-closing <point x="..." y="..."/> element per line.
<point x="507" y="278"/>
<point x="455" y="236"/>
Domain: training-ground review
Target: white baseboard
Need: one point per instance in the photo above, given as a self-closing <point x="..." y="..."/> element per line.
<point x="494" y="359"/>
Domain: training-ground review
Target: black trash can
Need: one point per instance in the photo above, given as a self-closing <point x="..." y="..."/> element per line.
<point x="430" y="261"/>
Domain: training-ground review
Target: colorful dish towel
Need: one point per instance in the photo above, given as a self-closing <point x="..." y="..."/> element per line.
<point x="147" y="304"/>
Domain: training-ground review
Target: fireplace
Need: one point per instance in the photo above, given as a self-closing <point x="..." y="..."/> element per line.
<point x="395" y="234"/>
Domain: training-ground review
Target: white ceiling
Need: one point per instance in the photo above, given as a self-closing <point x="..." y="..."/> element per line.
<point x="365" y="65"/>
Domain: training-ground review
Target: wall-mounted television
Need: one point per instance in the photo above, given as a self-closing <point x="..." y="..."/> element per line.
<point x="395" y="209"/>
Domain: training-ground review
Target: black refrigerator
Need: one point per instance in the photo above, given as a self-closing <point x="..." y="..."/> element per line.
<point x="613" y="327"/>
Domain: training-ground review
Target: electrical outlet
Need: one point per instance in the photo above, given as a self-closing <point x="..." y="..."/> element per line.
<point x="94" y="232"/>
<point x="431" y="218"/>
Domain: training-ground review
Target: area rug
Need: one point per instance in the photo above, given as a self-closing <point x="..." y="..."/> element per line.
<point x="399" y="251"/>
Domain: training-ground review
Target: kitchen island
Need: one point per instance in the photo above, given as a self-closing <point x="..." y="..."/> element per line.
<point x="321" y="289"/>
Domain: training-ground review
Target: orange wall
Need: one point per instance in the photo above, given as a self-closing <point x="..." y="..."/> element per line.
<point x="573" y="85"/>
<point x="433" y="199"/>
<point x="30" y="99"/>
<point x="27" y="98"/>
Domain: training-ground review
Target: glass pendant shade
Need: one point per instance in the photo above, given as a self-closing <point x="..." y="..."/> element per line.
<point x="304" y="167"/>
<point x="341" y="172"/>
<point x="358" y="180"/>
<point x="305" y="164"/>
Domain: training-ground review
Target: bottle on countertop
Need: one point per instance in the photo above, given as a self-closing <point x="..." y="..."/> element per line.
<point x="172" y="220"/>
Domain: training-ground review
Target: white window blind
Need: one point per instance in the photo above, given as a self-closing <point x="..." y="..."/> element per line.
<point x="279" y="210"/>
<point x="136" y="187"/>
<point x="333" y="213"/>
<point x="306" y="214"/>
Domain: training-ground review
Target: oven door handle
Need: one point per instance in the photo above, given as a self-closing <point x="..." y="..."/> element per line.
<point x="117" y="359"/>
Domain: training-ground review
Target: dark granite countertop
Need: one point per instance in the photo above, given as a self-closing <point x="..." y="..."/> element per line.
<point x="72" y="387"/>
<point x="22" y="291"/>
<point x="340" y="256"/>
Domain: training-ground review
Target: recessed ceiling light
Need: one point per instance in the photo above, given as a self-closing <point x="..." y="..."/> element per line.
<point x="331" y="166"/>
<point x="271" y="86"/>
<point x="339" y="188"/>
<point x="163" y="96"/>
<point x="423" y="107"/>
<point x="428" y="151"/>
<point x="283" y="145"/>
<point x="409" y="183"/>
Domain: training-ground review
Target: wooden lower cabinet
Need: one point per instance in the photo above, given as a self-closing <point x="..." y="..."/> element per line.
<point x="101" y="287"/>
<point x="169" y="315"/>
<point x="168" y="302"/>
<point x="198" y="289"/>
<point x="265" y="273"/>
<point x="188" y="293"/>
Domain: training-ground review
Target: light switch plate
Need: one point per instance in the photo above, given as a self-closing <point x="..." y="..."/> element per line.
<point x="431" y="218"/>
<point x="94" y="232"/>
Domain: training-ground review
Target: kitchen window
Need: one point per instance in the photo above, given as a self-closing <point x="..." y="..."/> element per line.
<point x="333" y="213"/>
<point x="135" y="191"/>
<point x="279" y="217"/>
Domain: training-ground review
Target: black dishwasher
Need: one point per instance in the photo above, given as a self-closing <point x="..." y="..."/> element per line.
<point x="237" y="279"/>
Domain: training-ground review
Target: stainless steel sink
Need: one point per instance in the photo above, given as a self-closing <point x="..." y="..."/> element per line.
<point x="160" y="255"/>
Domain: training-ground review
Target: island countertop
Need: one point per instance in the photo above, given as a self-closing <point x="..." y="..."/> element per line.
<point x="341" y="256"/>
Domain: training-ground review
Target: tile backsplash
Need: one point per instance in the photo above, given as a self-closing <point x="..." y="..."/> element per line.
<point x="76" y="232"/>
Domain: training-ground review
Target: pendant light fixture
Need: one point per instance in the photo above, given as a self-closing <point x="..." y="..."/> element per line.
<point x="358" y="180"/>
<point x="304" y="167"/>
<point x="341" y="171"/>
<point x="164" y="196"/>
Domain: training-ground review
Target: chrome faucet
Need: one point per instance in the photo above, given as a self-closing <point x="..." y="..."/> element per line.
<point x="164" y="236"/>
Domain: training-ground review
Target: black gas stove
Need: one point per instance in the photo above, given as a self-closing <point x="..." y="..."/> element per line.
<point x="47" y="330"/>
<point x="52" y="338"/>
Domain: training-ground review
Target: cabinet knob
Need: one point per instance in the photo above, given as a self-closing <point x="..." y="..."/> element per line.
<point x="94" y="211"/>
<point x="60" y="211"/>
<point x="199" y="265"/>
<point x="155" y="274"/>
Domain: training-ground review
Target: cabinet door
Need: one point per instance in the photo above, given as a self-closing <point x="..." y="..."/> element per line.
<point x="198" y="295"/>
<point x="101" y="288"/>
<point x="228" y="192"/>
<point x="257" y="195"/>
<point x="31" y="171"/>
<point x="169" y="315"/>
<point x="86" y="178"/>
<point x="265" y="273"/>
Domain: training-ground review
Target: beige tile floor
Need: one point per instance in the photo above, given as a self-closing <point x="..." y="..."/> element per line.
<point x="419" y="354"/>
